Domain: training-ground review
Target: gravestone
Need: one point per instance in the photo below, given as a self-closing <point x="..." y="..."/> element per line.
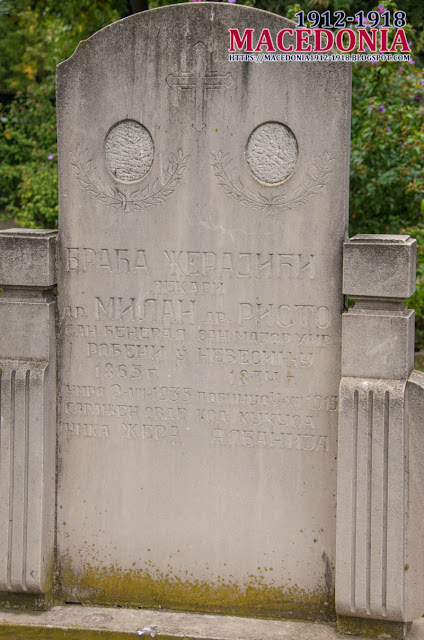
<point x="203" y="219"/>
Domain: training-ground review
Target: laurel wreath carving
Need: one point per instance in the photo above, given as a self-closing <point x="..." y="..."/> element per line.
<point x="142" y="198"/>
<point x="316" y="179"/>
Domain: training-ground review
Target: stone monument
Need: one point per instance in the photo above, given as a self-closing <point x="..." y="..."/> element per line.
<point x="206" y="362"/>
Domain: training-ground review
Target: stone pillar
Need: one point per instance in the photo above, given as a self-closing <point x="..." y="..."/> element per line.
<point x="379" y="573"/>
<point x="28" y="414"/>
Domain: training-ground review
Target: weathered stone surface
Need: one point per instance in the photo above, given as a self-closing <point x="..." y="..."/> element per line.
<point x="28" y="412"/>
<point x="201" y="230"/>
<point x="373" y="627"/>
<point x="372" y="497"/>
<point x="379" y="265"/>
<point x="85" y="623"/>
<point x="129" y="151"/>
<point x="79" y="622"/>
<point x="200" y="316"/>
<point x="378" y="332"/>
<point x="414" y="557"/>
<point x="28" y="257"/>
<point x="380" y="567"/>
<point x="272" y="152"/>
<point x="379" y="483"/>
<point x="378" y="343"/>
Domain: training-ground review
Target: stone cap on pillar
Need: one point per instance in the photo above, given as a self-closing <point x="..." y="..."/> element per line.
<point x="27" y="257"/>
<point x="380" y="266"/>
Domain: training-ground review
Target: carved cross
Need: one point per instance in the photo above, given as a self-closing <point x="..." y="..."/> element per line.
<point x="201" y="80"/>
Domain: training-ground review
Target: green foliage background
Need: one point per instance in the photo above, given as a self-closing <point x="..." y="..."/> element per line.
<point x="387" y="151"/>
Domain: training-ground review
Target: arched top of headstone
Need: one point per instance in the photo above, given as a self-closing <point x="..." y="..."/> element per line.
<point x="192" y="13"/>
<point x="137" y="88"/>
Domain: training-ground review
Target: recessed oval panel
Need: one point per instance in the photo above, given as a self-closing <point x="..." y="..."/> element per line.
<point x="129" y="151"/>
<point x="272" y="152"/>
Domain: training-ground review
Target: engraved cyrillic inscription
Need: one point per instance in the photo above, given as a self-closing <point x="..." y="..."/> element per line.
<point x="207" y="355"/>
<point x="185" y="287"/>
<point x="143" y="333"/>
<point x="240" y="264"/>
<point x="87" y="430"/>
<point x="271" y="399"/>
<point x="164" y="310"/>
<point x="271" y="440"/>
<point x="285" y="315"/>
<point x="125" y="351"/>
<point x="82" y="391"/>
<point x="100" y="409"/>
<point x="106" y="260"/>
<point x="182" y="266"/>
<point x="171" y="314"/>
<point x="158" y="432"/>
<point x="81" y="330"/>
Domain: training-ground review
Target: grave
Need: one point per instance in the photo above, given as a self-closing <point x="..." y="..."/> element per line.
<point x="203" y="380"/>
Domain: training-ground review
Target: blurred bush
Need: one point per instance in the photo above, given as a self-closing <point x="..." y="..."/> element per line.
<point x="387" y="148"/>
<point x="35" y="35"/>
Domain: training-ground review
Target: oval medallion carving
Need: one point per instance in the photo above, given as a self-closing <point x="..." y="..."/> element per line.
<point x="272" y="152"/>
<point x="129" y="151"/>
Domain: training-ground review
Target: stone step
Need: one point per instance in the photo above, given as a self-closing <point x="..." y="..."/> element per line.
<point x="86" y="623"/>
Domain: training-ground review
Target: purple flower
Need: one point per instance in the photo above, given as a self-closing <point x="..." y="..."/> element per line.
<point x="232" y="1"/>
<point x="375" y="61"/>
<point x="51" y="156"/>
<point x="371" y="106"/>
<point x="418" y="97"/>
<point x="422" y="83"/>
<point x="381" y="108"/>
<point x="388" y="129"/>
<point x="411" y="61"/>
<point x="380" y="8"/>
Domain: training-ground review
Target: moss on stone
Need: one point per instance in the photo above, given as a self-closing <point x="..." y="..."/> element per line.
<point x="26" y="601"/>
<point x="371" y="628"/>
<point x="149" y="588"/>
<point x="26" y="632"/>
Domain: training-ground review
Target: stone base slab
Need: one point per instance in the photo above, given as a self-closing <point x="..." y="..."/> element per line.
<point x="370" y="628"/>
<point x="76" y="622"/>
<point x="19" y="602"/>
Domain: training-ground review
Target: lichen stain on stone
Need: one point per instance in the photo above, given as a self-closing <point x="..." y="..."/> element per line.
<point x="25" y="632"/>
<point x="25" y="601"/>
<point x="371" y="628"/>
<point x="328" y="575"/>
<point x="150" y="588"/>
